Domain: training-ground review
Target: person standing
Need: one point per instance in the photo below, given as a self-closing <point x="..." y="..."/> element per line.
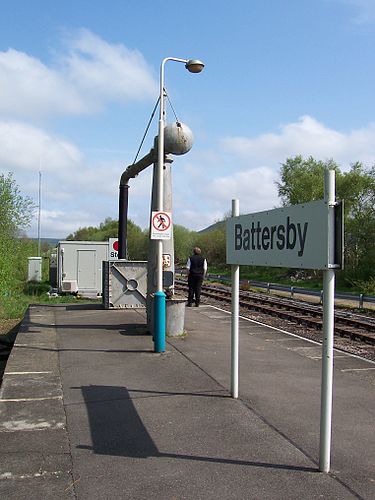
<point x="197" y="269"/>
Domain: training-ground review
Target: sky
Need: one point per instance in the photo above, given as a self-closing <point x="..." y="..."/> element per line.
<point x="79" y="80"/>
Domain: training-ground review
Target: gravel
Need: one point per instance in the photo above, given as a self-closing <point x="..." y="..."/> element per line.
<point x="355" y="347"/>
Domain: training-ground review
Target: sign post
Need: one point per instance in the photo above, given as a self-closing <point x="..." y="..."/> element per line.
<point x="305" y="236"/>
<point x="235" y="315"/>
<point x="328" y="332"/>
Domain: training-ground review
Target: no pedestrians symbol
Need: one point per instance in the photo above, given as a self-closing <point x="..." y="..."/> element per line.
<point x="161" y="225"/>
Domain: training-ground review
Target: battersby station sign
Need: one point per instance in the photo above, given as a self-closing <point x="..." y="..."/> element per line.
<point x="294" y="236"/>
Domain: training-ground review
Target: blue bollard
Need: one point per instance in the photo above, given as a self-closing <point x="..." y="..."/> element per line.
<point x="159" y="322"/>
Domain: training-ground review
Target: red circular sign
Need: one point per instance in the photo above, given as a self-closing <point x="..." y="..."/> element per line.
<point x="161" y="221"/>
<point x="115" y="245"/>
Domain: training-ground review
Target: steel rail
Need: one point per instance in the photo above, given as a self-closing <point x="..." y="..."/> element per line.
<point x="362" y="329"/>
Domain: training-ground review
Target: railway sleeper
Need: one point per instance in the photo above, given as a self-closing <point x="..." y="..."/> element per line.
<point x="354" y="334"/>
<point x="263" y="306"/>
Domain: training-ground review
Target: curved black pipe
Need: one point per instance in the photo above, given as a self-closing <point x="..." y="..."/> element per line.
<point x="123" y="220"/>
<point x="131" y="171"/>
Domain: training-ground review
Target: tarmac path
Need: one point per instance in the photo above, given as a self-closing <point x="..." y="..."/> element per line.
<point x="89" y="411"/>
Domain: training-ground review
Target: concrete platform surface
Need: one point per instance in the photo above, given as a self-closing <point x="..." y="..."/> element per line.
<point x="89" y="411"/>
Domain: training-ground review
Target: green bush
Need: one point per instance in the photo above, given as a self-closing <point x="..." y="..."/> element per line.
<point x="35" y="288"/>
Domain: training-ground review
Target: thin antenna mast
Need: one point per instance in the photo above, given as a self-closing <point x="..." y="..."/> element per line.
<point x="39" y="208"/>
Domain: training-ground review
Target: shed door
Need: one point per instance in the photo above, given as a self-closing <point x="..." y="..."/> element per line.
<point x="86" y="269"/>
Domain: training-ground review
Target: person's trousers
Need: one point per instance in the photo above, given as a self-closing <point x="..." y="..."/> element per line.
<point x="195" y="285"/>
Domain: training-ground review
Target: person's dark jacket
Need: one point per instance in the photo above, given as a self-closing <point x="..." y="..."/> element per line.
<point x="196" y="265"/>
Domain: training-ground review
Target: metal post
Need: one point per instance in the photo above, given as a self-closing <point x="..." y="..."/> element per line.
<point x="194" y="66"/>
<point x="159" y="316"/>
<point x="235" y="314"/>
<point x="159" y="178"/>
<point x="328" y="333"/>
<point x="159" y="321"/>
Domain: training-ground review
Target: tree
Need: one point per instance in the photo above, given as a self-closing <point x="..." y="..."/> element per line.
<point x="302" y="180"/>
<point x="213" y="245"/>
<point x="16" y="212"/>
<point x="183" y="243"/>
<point x="137" y="239"/>
<point x="357" y="188"/>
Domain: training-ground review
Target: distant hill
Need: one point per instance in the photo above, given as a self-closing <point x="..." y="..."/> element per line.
<point x="213" y="227"/>
<point x="52" y="242"/>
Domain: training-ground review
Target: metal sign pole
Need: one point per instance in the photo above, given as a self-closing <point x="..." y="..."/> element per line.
<point x="328" y="332"/>
<point x="235" y="314"/>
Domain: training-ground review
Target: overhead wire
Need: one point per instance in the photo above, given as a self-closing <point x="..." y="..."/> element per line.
<point x="150" y="121"/>
<point x="171" y="105"/>
<point x="146" y="131"/>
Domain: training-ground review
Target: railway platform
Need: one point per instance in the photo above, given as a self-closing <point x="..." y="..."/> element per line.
<point x="89" y="411"/>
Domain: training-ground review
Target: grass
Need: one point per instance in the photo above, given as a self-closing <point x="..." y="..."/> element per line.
<point x="14" y="305"/>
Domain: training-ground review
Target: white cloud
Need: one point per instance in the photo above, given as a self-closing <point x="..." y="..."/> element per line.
<point x="79" y="192"/>
<point x="76" y="192"/>
<point x="306" y="137"/>
<point x="27" y="147"/>
<point x="89" y="74"/>
<point x="28" y="88"/>
<point x="365" y="10"/>
<point x="247" y="168"/>
<point x="110" y="72"/>
<point x="255" y="188"/>
<point x="56" y="223"/>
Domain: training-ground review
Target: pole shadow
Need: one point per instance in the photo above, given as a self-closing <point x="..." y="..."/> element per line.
<point x="117" y="430"/>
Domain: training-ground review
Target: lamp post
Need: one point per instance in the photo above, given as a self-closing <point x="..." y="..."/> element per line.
<point x="194" y="66"/>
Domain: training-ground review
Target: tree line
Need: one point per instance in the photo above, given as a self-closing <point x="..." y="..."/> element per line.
<point x="301" y="180"/>
<point x="16" y="212"/>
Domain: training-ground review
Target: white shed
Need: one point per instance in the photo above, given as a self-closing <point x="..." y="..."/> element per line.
<point x="79" y="266"/>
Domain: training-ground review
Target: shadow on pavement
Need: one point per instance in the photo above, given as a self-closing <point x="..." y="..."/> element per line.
<point x="116" y="429"/>
<point x="85" y="307"/>
<point x="133" y="329"/>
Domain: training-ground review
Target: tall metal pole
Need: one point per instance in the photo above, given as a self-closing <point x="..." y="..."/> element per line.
<point x="328" y="332"/>
<point x="194" y="66"/>
<point x="160" y="167"/>
<point x="159" y="178"/>
<point x="39" y="209"/>
<point x="159" y="296"/>
<point x="235" y="316"/>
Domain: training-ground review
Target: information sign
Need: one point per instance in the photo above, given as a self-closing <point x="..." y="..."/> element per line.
<point x="294" y="236"/>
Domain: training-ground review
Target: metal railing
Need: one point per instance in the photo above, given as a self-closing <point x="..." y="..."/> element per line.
<point x="292" y="290"/>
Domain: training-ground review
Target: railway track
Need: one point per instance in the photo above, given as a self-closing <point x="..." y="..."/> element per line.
<point x="356" y="327"/>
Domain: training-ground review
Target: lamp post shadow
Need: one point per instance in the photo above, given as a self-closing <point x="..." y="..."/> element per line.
<point x="117" y="429"/>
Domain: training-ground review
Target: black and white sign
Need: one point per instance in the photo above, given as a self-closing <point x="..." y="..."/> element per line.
<point x="161" y="225"/>
<point x="295" y="236"/>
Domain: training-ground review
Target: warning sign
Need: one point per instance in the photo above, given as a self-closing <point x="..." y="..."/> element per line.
<point x="112" y="249"/>
<point x="161" y="225"/>
<point x="166" y="261"/>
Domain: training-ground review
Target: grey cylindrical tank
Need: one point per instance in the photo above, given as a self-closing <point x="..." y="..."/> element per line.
<point x="175" y="317"/>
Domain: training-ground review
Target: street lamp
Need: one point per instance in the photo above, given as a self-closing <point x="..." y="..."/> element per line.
<point x="194" y="66"/>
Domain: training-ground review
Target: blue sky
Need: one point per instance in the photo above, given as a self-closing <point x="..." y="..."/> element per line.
<point x="79" y="79"/>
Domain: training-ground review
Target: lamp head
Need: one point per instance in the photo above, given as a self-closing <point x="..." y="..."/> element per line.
<point x="194" y="65"/>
